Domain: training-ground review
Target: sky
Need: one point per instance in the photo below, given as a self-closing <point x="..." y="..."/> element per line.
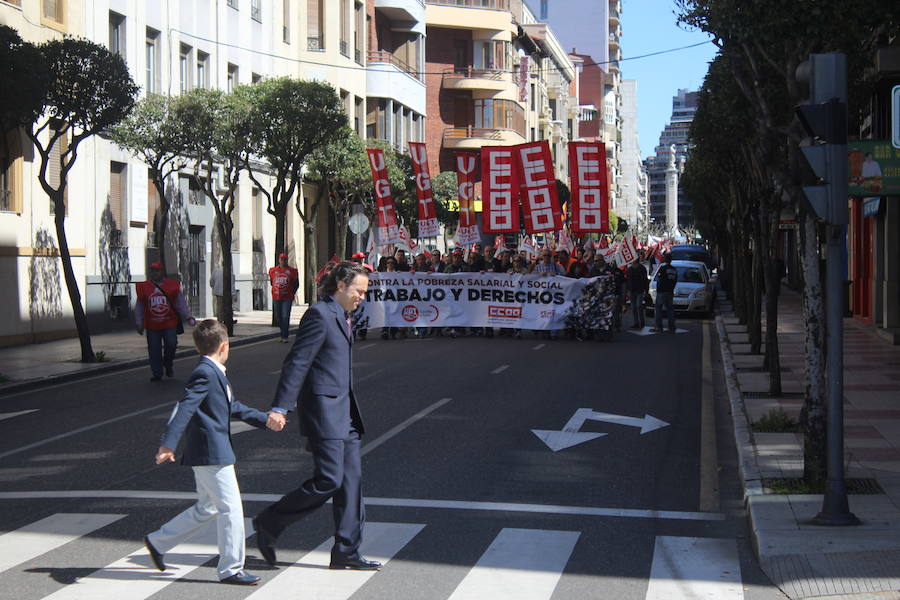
<point x="649" y="26"/>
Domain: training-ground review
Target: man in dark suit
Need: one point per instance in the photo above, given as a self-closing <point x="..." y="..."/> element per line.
<point x="316" y="374"/>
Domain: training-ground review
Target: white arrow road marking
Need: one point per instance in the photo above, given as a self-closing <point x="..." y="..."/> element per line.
<point x="686" y="568"/>
<point x="570" y="435"/>
<point x="16" y="414"/>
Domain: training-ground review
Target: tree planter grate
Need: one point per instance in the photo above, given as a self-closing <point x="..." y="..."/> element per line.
<point x="796" y="485"/>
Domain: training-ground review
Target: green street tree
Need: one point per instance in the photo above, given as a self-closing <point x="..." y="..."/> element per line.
<point x="26" y="80"/>
<point x="289" y="119"/>
<point x="152" y="133"/>
<point x="764" y="42"/>
<point x="341" y="168"/>
<point x="89" y="91"/>
<point x="217" y="145"/>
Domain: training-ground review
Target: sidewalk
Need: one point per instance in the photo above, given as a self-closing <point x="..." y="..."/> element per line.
<point x="33" y="365"/>
<point x="806" y="560"/>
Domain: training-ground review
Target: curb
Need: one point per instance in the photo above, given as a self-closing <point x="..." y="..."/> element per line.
<point x="104" y="368"/>
<point x="743" y="435"/>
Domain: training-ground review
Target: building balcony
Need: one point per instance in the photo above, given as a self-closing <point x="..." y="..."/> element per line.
<point x="388" y="76"/>
<point x="405" y="15"/>
<point x="614" y="17"/>
<point x="492" y="15"/>
<point x="473" y="138"/>
<point x="467" y="78"/>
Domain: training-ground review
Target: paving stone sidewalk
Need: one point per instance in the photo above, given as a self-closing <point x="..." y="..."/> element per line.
<point x="804" y="560"/>
<point x="33" y="365"/>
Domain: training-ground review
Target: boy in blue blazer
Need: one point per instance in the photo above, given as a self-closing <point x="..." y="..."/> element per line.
<point x="203" y="416"/>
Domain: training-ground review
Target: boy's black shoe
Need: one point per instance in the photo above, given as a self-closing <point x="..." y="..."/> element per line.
<point x="155" y="555"/>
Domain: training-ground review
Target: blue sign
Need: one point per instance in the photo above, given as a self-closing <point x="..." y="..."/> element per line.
<point x="895" y="116"/>
<point x="871" y="206"/>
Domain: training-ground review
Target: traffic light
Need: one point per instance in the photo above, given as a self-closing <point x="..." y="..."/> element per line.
<point x="824" y="119"/>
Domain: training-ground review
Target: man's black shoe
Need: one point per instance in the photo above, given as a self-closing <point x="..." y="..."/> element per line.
<point x="265" y="542"/>
<point x="156" y="378"/>
<point x="241" y="578"/>
<point x="155" y="555"/>
<point x="170" y="371"/>
<point x="355" y="564"/>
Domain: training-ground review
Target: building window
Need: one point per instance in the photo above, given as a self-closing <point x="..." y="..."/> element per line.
<point x="55" y="163"/>
<point x="232" y="77"/>
<point x="117" y="201"/>
<point x="11" y="173"/>
<point x="232" y="3"/>
<point x="499" y="114"/>
<point x="116" y="33"/>
<point x="315" y="25"/>
<point x="345" y="28"/>
<point x="151" y="57"/>
<point x="255" y="78"/>
<point x="532" y="97"/>
<point x="359" y="33"/>
<point x="202" y="69"/>
<point x="286" y="21"/>
<point x="184" y="68"/>
<point x="54" y="10"/>
<point x="256" y="10"/>
<point x="358" y="116"/>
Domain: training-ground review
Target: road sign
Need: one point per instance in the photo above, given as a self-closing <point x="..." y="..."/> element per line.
<point x="358" y="223"/>
<point x="570" y="435"/>
<point x="895" y="116"/>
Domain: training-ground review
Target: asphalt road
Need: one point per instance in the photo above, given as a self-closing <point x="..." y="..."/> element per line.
<point x="464" y="500"/>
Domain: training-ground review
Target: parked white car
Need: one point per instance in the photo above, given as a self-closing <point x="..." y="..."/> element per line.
<point x="695" y="290"/>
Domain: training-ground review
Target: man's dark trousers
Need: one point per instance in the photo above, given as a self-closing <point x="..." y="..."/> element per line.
<point x="337" y="474"/>
<point x="161" y="345"/>
<point x="283" y="314"/>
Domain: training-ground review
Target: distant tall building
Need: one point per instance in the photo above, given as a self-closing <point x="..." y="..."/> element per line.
<point x="633" y="184"/>
<point x="592" y="29"/>
<point x="675" y="134"/>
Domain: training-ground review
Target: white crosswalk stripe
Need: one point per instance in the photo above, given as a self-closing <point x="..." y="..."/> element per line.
<point x="21" y="545"/>
<point x="311" y="576"/>
<point x="520" y="564"/>
<point x="134" y="577"/>
<point x="686" y="568"/>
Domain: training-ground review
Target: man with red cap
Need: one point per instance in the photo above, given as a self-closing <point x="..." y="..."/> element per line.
<point x="285" y="282"/>
<point x="159" y="308"/>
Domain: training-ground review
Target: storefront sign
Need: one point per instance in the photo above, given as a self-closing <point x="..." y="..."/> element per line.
<point x="874" y="168"/>
<point x="871" y="206"/>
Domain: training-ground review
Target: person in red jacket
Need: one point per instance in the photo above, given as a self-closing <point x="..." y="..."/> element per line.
<point x="285" y="282"/>
<point x="159" y="305"/>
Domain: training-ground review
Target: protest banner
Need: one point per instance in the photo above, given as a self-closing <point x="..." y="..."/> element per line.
<point x="500" y="190"/>
<point x="385" y="210"/>
<point x="428" y="223"/>
<point x="467" y="232"/>
<point x="590" y="187"/>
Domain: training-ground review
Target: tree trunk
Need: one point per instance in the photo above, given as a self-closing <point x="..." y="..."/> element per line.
<point x="81" y="324"/>
<point x="812" y="416"/>
<point x="280" y="209"/>
<point x="310" y="263"/>
<point x="226" y="309"/>
<point x="160" y="227"/>
<point x="773" y="289"/>
<point x="754" y="321"/>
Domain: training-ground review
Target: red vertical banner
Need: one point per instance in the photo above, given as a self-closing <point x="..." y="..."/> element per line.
<point x="499" y="189"/>
<point x="590" y="187"/>
<point x="428" y="223"/>
<point x="537" y="181"/>
<point x="385" y="211"/>
<point x="467" y="232"/>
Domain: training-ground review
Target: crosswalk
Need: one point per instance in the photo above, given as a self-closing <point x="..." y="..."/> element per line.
<point x="518" y="563"/>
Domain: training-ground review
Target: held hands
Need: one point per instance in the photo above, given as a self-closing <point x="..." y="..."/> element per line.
<point x="275" y="421"/>
<point x="164" y="455"/>
<point x="192" y="321"/>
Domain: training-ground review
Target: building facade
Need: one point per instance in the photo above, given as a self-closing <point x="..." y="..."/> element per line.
<point x="633" y="185"/>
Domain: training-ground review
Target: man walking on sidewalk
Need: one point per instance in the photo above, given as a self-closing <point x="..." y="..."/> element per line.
<point x="159" y="305"/>
<point x="285" y="282"/>
<point x="638" y="285"/>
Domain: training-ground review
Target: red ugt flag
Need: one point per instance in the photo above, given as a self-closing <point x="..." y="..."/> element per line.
<point x="499" y="187"/>
<point x="540" y="204"/>
<point x="467" y="232"/>
<point x="428" y="223"/>
<point x="590" y="188"/>
<point x="386" y="212"/>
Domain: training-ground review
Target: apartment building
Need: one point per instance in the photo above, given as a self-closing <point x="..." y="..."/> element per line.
<point x="169" y="48"/>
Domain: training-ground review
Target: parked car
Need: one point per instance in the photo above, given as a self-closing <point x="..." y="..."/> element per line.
<point x="694" y="291"/>
<point x="692" y="252"/>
